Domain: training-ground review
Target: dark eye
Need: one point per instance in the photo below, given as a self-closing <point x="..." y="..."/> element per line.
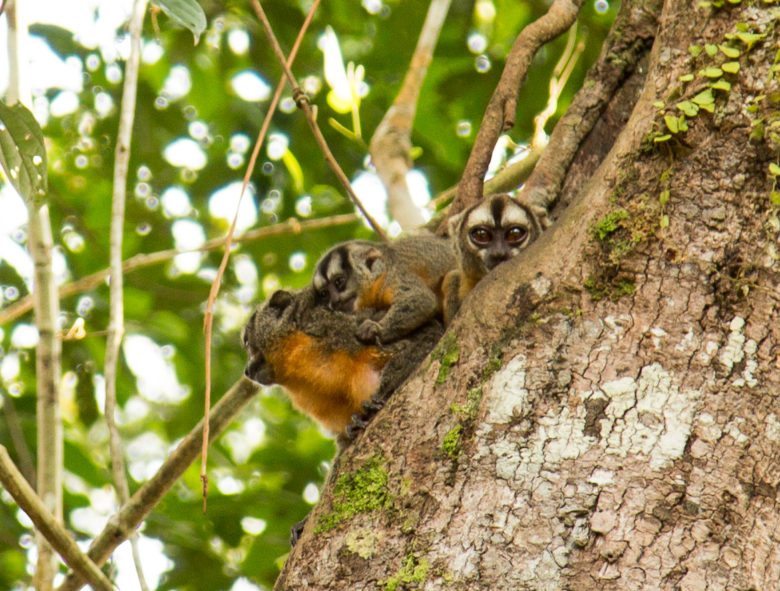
<point x="322" y="294"/>
<point x="481" y="236"/>
<point x="340" y="282"/>
<point x="515" y="235"/>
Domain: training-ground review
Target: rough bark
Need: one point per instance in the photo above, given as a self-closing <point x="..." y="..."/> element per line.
<point x="603" y="414"/>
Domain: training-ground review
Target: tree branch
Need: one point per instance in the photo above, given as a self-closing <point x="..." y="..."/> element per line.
<point x="132" y="513"/>
<point x="48" y="525"/>
<point x="500" y="112"/>
<point x="49" y="348"/>
<point x="143" y="260"/>
<point x="392" y="143"/>
<point x="17" y="438"/>
<point x="208" y="319"/>
<point x="116" y="303"/>
<point x="561" y="73"/>
<point x="302" y="101"/>
<point x="629" y="39"/>
<point x="507" y="179"/>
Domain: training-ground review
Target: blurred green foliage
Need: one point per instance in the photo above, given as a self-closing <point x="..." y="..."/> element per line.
<point x="262" y="466"/>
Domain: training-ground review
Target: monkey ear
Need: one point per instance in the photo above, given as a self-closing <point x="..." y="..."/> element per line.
<point x="453" y="224"/>
<point x="373" y="255"/>
<point x="280" y="300"/>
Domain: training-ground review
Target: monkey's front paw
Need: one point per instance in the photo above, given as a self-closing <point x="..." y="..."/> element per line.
<point x="356" y="426"/>
<point x="368" y="331"/>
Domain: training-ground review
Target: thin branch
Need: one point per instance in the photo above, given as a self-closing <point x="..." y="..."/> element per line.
<point x="500" y="112"/>
<point x="143" y="260"/>
<point x="48" y="525"/>
<point x="561" y="74"/>
<point x="507" y="179"/>
<point x="391" y="144"/>
<point x="208" y="319"/>
<point x="629" y="40"/>
<point x="116" y="287"/>
<point x="48" y="351"/>
<point x="17" y="438"/>
<point x="302" y="101"/>
<point x="129" y="517"/>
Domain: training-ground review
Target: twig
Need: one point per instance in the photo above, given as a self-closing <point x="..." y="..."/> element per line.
<point x="302" y="101"/>
<point x="17" y="438"/>
<point x="143" y="260"/>
<point x="500" y="112"/>
<point x="561" y="73"/>
<point x="145" y="498"/>
<point x="48" y="351"/>
<point x="208" y="319"/>
<point x="508" y="179"/>
<point x="628" y="40"/>
<point x="116" y="287"/>
<point x="391" y="144"/>
<point x="48" y="525"/>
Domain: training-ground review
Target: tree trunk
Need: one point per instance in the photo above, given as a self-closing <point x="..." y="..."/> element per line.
<point x="603" y="414"/>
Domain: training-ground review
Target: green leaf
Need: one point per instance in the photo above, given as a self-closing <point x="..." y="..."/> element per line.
<point x="705" y="97"/>
<point x="730" y="67"/>
<point x="22" y="151"/>
<point x="721" y="85"/>
<point x="694" y="50"/>
<point x="774" y="197"/>
<point x="688" y="108"/>
<point x="671" y="123"/>
<point x="686" y="78"/>
<point x="710" y="108"/>
<point x="711" y="49"/>
<point x="663" y="198"/>
<point x="750" y="39"/>
<point x="662" y="138"/>
<point x="774" y="169"/>
<point x="659" y="104"/>
<point x="711" y="72"/>
<point x="664" y="221"/>
<point x="187" y="13"/>
<point x="731" y="52"/>
<point x="682" y="123"/>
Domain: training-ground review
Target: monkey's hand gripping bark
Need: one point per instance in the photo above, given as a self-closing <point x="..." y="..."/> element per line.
<point x="312" y="351"/>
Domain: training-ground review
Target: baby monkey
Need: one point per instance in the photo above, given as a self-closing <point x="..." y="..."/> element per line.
<point x="484" y="235"/>
<point x="402" y="278"/>
<point x="312" y="351"/>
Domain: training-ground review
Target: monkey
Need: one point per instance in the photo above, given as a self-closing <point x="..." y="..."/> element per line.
<point x="403" y="278"/>
<point x="483" y="236"/>
<point x="313" y="352"/>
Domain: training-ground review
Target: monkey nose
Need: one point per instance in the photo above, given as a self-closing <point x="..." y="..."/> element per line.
<point x="255" y="366"/>
<point x="496" y="258"/>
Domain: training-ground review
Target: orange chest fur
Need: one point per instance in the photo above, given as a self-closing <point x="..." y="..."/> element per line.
<point x="378" y="295"/>
<point x="329" y="385"/>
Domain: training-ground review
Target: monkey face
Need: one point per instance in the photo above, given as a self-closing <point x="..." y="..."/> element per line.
<point x="266" y="327"/>
<point x="334" y="281"/>
<point x="495" y="230"/>
<point x="341" y="272"/>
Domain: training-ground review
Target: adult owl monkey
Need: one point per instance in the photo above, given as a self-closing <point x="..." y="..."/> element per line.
<point x="314" y="353"/>
<point x="483" y="236"/>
